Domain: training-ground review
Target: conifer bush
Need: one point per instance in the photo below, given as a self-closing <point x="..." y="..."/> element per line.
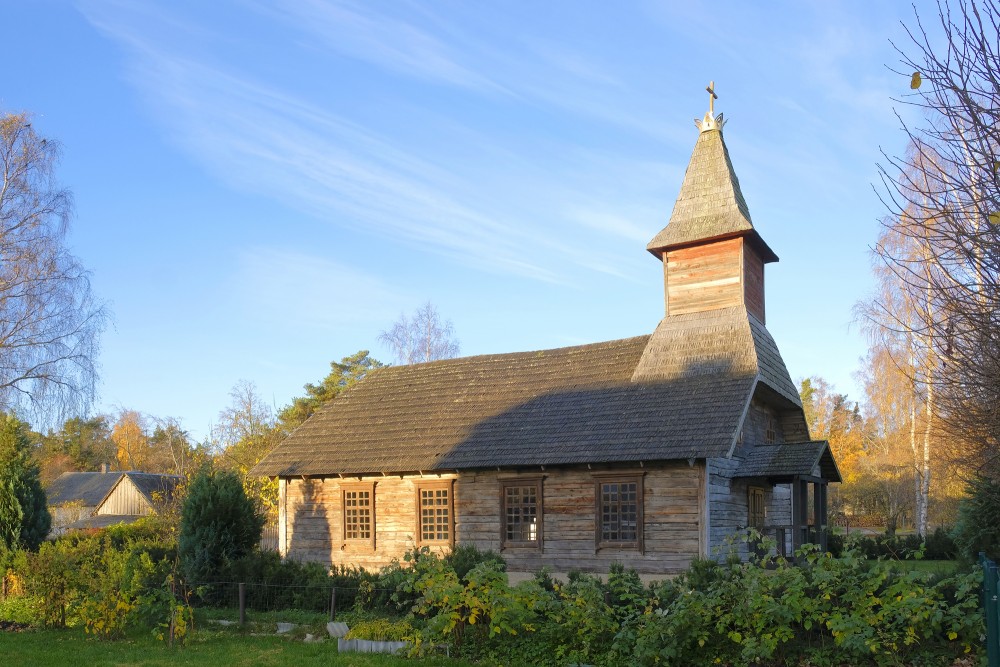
<point x="977" y="528"/>
<point x="219" y="525"/>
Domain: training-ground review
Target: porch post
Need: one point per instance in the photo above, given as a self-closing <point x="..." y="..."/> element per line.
<point x="819" y="513"/>
<point x="799" y="511"/>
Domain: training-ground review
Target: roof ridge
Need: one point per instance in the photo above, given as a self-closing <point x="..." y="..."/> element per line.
<point x="521" y="353"/>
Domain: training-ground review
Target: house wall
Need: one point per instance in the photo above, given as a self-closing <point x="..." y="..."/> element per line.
<point x="755" y="426"/>
<point x="729" y="498"/>
<point x="65" y="514"/>
<point x="673" y="508"/>
<point x="728" y="507"/>
<point x="314" y="528"/>
<point x="125" y="499"/>
<point x="672" y="519"/>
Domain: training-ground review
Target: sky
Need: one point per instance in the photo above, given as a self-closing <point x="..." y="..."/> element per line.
<point x="262" y="187"/>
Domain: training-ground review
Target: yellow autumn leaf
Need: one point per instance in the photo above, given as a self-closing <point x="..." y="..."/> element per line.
<point x="995" y="218"/>
<point x="952" y="635"/>
<point x="996" y="166"/>
<point x="915" y="81"/>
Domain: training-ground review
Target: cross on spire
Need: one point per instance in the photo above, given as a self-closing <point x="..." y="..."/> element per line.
<point x="710" y="121"/>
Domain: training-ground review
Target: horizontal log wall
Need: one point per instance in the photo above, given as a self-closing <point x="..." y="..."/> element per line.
<point x="673" y="498"/>
<point x="314" y="521"/>
<point x="673" y="519"/>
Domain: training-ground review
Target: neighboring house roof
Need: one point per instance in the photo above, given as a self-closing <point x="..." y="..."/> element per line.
<point x="781" y="462"/>
<point x="86" y="488"/>
<point x="680" y="393"/>
<point x="710" y="203"/>
<point x="90" y="489"/>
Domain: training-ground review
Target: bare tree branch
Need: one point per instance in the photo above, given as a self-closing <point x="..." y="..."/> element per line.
<point x="422" y="337"/>
<point x="50" y="321"/>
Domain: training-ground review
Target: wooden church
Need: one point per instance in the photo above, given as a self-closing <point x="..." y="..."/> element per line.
<point x="648" y="451"/>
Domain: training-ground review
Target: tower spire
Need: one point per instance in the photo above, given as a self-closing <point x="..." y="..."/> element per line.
<point x="712" y="255"/>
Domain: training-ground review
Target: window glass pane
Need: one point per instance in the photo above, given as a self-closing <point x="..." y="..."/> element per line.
<point x="435" y="515"/>
<point x="357" y="515"/>
<point x="521" y="513"/>
<point x="619" y="512"/>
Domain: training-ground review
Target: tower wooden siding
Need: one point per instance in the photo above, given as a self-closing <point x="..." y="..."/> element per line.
<point x="714" y="275"/>
<point x="753" y="282"/>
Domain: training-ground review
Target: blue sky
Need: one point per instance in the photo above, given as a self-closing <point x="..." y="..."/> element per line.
<point x="262" y="187"/>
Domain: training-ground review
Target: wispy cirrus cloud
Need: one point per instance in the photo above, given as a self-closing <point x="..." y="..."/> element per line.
<point x="359" y="31"/>
<point x="257" y="137"/>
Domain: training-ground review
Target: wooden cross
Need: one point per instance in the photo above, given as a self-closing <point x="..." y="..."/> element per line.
<point x="711" y="99"/>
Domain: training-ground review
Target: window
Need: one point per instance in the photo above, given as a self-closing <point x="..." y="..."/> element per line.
<point x="521" y="512"/>
<point x="358" y="503"/>
<point x="434" y="512"/>
<point x="769" y="429"/>
<point x="757" y="511"/>
<point x="619" y="511"/>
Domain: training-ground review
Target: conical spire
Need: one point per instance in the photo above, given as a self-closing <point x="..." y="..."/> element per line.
<point x="710" y="204"/>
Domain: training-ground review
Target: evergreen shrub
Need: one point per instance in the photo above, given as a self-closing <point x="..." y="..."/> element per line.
<point x="219" y="525"/>
<point x="978" y="527"/>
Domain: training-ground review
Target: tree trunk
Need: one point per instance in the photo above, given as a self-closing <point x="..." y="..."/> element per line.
<point x="925" y="467"/>
<point x="917" y="482"/>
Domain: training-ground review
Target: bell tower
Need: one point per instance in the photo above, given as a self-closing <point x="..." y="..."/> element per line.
<point x="712" y="255"/>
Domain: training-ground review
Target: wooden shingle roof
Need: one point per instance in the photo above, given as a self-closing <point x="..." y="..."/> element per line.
<point x="710" y="203"/>
<point x="781" y="462"/>
<point x="677" y="394"/>
<point x="91" y="488"/>
<point x="86" y="488"/>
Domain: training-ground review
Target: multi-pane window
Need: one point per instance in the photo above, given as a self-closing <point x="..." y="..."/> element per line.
<point x="358" y="502"/>
<point x="434" y="507"/>
<point x="521" y="511"/>
<point x="619" y="511"/>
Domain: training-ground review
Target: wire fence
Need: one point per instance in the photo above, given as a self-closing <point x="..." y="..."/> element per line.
<point x="317" y="597"/>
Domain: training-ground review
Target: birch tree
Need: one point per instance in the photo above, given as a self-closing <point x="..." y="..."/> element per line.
<point x="424" y="336"/>
<point x="247" y="431"/>
<point x="947" y="189"/>
<point x="50" y="321"/>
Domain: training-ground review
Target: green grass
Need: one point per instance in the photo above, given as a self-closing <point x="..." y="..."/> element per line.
<point x="42" y="648"/>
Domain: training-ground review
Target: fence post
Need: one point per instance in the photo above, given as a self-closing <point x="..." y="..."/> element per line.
<point x="991" y="606"/>
<point x="243" y="603"/>
<point x="333" y="604"/>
